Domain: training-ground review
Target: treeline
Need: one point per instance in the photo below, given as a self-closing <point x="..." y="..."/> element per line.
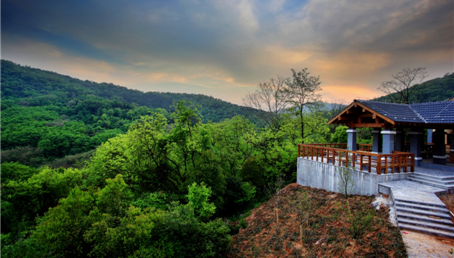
<point x="35" y="87"/>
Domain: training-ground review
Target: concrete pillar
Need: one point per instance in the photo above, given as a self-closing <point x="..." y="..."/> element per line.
<point x="388" y="141"/>
<point x="439" y="147"/>
<point x="351" y="143"/>
<point x="399" y="141"/>
<point x="415" y="145"/>
<point x="376" y="141"/>
<point x="451" y="154"/>
<point x="429" y="136"/>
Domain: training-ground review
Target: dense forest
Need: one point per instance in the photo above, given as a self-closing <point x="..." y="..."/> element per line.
<point x="102" y="171"/>
<point x="35" y="87"/>
<point x="87" y="174"/>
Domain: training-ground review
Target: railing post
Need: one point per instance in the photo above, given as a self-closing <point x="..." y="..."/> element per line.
<point x="386" y="164"/>
<point x="361" y="162"/>
<point x="379" y="165"/>
<point x="334" y="156"/>
<point x="346" y="159"/>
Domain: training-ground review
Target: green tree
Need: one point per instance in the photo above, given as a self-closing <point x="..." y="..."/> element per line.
<point x="302" y="91"/>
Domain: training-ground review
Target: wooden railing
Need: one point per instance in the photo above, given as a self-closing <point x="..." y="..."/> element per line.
<point x="364" y="147"/>
<point x="395" y="162"/>
<point x="359" y="146"/>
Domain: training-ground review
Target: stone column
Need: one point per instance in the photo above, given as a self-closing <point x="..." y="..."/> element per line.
<point x="388" y="141"/>
<point x="439" y="147"/>
<point x="415" y="145"/>
<point x="451" y="154"/>
<point x="399" y="144"/>
<point x="351" y="143"/>
<point x="376" y="141"/>
<point x="429" y="135"/>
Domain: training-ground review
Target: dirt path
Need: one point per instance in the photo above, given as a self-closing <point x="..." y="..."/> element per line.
<point x="423" y="245"/>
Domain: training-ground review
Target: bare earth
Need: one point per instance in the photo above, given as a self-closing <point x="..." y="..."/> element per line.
<point x="422" y="245"/>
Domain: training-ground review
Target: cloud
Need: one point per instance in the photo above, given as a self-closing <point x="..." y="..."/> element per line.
<point x="207" y="45"/>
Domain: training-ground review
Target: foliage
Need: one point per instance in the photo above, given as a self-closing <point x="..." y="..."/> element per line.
<point x="198" y="198"/>
<point x="28" y="196"/>
<point x="302" y="92"/>
<point x="360" y="221"/>
<point x="340" y="135"/>
<point x="103" y="224"/>
<point x="346" y="183"/>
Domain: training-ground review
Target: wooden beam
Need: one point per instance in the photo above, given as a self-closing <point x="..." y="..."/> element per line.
<point x="352" y="112"/>
<point x="375" y="125"/>
<point x="366" y="115"/>
<point x="343" y="118"/>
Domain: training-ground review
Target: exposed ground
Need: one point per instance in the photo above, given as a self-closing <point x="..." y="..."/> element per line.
<point x="448" y="200"/>
<point x="422" y="245"/>
<point x="335" y="227"/>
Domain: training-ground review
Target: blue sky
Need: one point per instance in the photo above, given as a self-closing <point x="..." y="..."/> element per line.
<point x="226" y="48"/>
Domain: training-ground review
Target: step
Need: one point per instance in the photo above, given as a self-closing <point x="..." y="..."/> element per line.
<point x="429" y="204"/>
<point x="431" y="179"/>
<point x="425" y="178"/>
<point x="422" y="212"/>
<point x="424" y="182"/>
<point x="441" y="178"/>
<point x="422" y="207"/>
<point x="438" y="226"/>
<point x="412" y="216"/>
<point x="425" y="230"/>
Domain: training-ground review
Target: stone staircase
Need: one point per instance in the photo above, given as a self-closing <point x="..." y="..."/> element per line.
<point x="444" y="182"/>
<point x="423" y="217"/>
<point x="418" y="208"/>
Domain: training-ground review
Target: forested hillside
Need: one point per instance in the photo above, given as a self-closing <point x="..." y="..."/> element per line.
<point x="438" y="89"/>
<point x="35" y="87"/>
<point x="57" y="120"/>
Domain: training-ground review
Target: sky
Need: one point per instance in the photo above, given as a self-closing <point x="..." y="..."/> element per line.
<point x="224" y="48"/>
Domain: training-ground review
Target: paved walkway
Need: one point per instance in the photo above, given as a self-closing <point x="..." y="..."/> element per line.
<point x="410" y="191"/>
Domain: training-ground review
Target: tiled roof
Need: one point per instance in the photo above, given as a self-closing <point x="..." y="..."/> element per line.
<point x="436" y="112"/>
<point x="428" y="113"/>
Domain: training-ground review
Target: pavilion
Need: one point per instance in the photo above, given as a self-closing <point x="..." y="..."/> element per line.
<point x="390" y="165"/>
<point x="392" y="120"/>
<point x="389" y="158"/>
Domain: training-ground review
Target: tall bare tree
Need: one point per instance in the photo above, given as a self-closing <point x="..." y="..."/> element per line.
<point x="269" y="102"/>
<point x="404" y="85"/>
<point x="302" y="90"/>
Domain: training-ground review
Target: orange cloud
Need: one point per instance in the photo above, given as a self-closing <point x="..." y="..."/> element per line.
<point x="333" y="93"/>
<point x="350" y="64"/>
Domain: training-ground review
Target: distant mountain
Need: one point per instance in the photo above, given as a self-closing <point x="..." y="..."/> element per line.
<point x="39" y="87"/>
<point x="438" y="89"/>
